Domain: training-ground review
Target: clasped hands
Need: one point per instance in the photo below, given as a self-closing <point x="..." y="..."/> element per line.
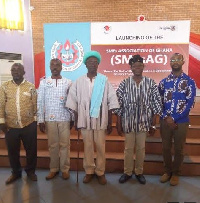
<point x="170" y="122"/>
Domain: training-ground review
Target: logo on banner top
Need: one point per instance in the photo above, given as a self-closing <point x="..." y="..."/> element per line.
<point x="71" y="54"/>
<point x="141" y="18"/>
<point x="107" y="29"/>
<point x="171" y="27"/>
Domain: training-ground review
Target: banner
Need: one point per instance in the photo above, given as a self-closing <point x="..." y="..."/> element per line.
<point x="155" y="41"/>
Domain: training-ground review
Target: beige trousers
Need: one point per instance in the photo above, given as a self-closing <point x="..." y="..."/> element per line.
<point x="89" y="138"/>
<point x="59" y="145"/>
<point x="134" y="141"/>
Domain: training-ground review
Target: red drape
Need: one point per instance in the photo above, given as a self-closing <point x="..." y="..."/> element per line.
<point x="194" y="70"/>
<point x="195" y="38"/>
<point x="39" y="67"/>
<point x="194" y="63"/>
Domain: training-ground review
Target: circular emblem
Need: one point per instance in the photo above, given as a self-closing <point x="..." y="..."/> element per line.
<point x="107" y="29"/>
<point x="71" y="54"/>
<point x="141" y="18"/>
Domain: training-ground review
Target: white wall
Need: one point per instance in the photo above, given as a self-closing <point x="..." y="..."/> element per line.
<point x="20" y="42"/>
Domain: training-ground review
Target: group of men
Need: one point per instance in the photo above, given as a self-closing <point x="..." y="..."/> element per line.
<point x="88" y="103"/>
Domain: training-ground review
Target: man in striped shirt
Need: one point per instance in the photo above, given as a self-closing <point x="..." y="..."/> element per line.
<point x="140" y="102"/>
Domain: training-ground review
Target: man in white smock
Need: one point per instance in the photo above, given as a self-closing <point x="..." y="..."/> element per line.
<point x="92" y="98"/>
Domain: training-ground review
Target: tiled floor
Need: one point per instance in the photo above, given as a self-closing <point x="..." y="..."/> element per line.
<point x="67" y="191"/>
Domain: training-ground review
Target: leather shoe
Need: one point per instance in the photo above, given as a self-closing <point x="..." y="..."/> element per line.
<point x="102" y="179"/>
<point x="32" y="176"/>
<point x="12" y="178"/>
<point x="65" y="175"/>
<point x="52" y="175"/>
<point x="88" y="178"/>
<point x="124" y="178"/>
<point x="141" y="179"/>
<point x="165" y="177"/>
<point x="174" y="180"/>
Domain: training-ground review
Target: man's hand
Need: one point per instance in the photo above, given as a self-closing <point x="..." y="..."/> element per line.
<point x="173" y="126"/>
<point x="152" y="131"/>
<point x="42" y="127"/>
<point x="170" y="122"/>
<point x="4" y="128"/>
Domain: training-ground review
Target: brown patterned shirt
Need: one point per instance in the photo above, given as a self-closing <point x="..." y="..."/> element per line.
<point x="18" y="104"/>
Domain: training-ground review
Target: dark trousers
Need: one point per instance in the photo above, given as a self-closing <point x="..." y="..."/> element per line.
<point x="179" y="137"/>
<point x="28" y="136"/>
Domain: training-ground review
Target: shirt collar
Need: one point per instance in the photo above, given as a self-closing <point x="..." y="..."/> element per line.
<point x="172" y="76"/>
<point x="20" y="83"/>
<point x="87" y="78"/>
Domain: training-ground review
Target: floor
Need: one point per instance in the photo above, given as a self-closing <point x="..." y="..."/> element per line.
<point x="68" y="191"/>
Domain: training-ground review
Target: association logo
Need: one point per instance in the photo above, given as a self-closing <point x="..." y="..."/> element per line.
<point x="71" y="54"/>
<point x="107" y="29"/>
<point x="141" y="18"/>
<point x="171" y="27"/>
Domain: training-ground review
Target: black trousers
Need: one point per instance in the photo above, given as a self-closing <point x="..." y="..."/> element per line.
<point x="28" y="136"/>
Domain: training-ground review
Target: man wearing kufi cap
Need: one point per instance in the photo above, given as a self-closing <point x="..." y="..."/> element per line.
<point x="92" y="98"/>
<point x="92" y="54"/>
<point x="139" y="102"/>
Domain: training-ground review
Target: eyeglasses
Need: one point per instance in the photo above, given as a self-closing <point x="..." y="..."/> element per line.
<point x="176" y="60"/>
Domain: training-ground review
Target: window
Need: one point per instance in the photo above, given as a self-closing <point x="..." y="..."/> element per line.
<point x="11" y="14"/>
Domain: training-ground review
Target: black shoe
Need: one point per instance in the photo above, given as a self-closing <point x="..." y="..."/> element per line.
<point x="32" y="176"/>
<point x="12" y="178"/>
<point x="141" y="179"/>
<point x="124" y="178"/>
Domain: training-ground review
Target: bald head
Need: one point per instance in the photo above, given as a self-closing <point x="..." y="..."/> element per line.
<point x="19" y="65"/>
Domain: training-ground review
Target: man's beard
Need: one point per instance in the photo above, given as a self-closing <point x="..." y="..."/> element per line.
<point x="177" y="69"/>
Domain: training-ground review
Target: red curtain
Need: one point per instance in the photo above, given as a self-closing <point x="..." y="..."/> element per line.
<point x="39" y="67"/>
<point x="195" y="38"/>
<point x="194" y="70"/>
<point x="194" y="59"/>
